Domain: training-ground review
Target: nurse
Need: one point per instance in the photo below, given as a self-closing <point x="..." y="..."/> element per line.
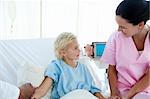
<point x="128" y="52"/>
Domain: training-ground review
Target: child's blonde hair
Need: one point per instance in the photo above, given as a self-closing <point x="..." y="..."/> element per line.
<point x="62" y="41"/>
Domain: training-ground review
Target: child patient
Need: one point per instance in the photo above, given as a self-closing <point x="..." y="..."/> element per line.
<point x="66" y="74"/>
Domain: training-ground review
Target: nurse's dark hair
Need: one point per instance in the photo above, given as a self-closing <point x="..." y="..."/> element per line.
<point x="134" y="11"/>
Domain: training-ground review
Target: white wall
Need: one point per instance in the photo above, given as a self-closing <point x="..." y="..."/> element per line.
<point x="24" y="16"/>
<point x="90" y="20"/>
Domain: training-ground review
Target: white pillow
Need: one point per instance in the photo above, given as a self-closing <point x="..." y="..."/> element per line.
<point x="79" y="94"/>
<point x="28" y="72"/>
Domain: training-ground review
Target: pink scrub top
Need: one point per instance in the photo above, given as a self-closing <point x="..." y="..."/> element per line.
<point x="130" y="64"/>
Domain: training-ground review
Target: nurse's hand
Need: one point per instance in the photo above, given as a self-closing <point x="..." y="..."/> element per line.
<point x="125" y="97"/>
<point x="128" y="96"/>
<point x="115" y="97"/>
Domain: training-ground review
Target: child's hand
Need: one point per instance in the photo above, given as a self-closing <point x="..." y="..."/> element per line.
<point x="42" y="89"/>
<point x="36" y="94"/>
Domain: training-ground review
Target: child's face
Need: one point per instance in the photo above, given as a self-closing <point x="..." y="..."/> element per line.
<point x="72" y="52"/>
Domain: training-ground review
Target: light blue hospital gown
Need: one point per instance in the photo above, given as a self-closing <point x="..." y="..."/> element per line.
<point x="67" y="79"/>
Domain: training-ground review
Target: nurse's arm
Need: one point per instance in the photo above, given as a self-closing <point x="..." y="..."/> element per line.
<point x="112" y="76"/>
<point x="140" y="85"/>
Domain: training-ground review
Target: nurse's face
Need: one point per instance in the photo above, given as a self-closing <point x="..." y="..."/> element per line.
<point x="127" y="28"/>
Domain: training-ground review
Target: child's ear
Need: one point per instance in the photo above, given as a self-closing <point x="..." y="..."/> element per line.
<point x="62" y="52"/>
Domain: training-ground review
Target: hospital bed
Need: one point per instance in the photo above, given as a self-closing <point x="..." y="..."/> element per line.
<point x="25" y="60"/>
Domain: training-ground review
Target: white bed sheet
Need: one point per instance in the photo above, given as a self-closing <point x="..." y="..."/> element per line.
<point x="17" y="53"/>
